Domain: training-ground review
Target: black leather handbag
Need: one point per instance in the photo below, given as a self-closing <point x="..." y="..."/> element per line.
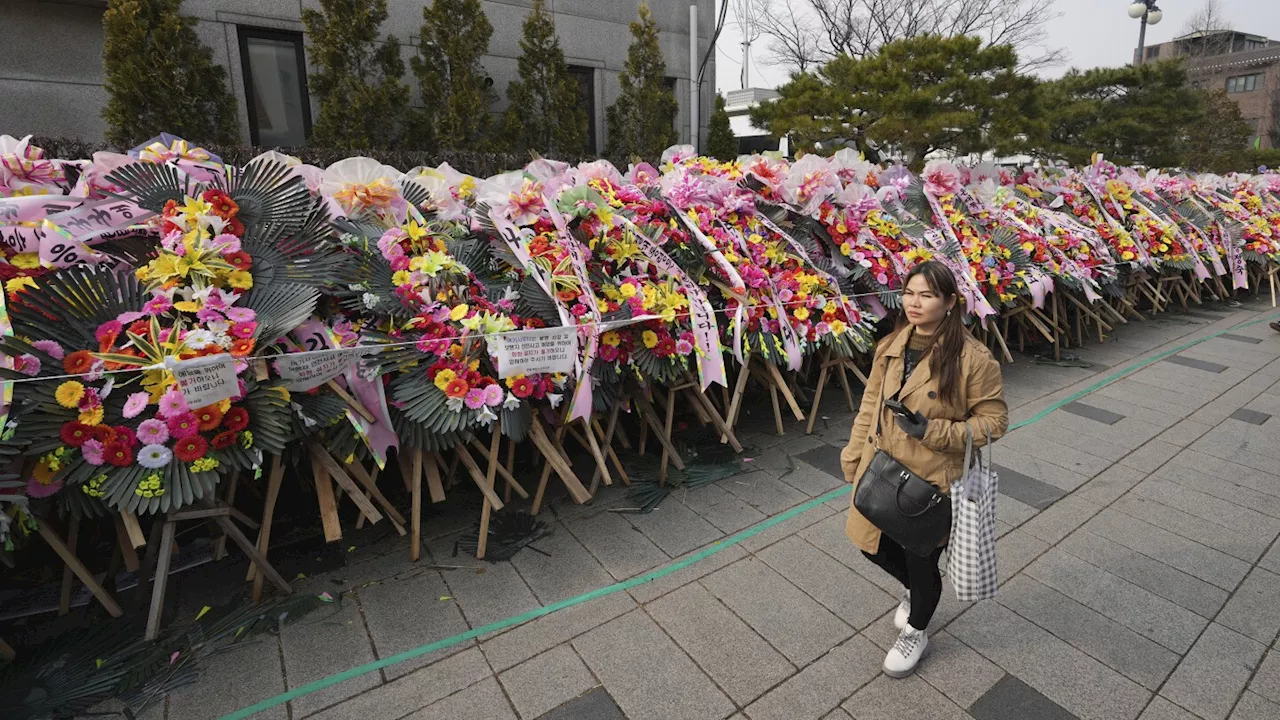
<point x="906" y="507"/>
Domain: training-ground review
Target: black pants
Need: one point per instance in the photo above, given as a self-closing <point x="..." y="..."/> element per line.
<point x="917" y="574"/>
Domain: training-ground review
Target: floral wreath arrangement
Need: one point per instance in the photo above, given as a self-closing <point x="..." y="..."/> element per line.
<point x="227" y="267"/>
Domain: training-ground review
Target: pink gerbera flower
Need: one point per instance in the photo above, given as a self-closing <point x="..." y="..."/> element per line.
<point x="136" y="403"/>
<point x="153" y="432"/>
<point x="474" y="399"/>
<point x="493" y="395"/>
<point x="183" y="425"/>
<point x="50" y="348"/>
<point x="92" y="452"/>
<point x="172" y="403"/>
<point x="244" y="329"/>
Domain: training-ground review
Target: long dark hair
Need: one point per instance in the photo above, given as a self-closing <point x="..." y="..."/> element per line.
<point x="948" y="339"/>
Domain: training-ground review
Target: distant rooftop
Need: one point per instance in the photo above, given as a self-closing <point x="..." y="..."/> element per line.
<point x="743" y="100"/>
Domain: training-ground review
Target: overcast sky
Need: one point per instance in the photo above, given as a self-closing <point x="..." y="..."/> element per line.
<point x="1093" y="32"/>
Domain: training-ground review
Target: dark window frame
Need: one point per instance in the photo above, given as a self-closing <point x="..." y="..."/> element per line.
<point x="587" y="72"/>
<point x="245" y="33"/>
<point x="1242" y="80"/>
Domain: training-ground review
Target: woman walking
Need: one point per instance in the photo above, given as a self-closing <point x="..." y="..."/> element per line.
<point x="929" y="379"/>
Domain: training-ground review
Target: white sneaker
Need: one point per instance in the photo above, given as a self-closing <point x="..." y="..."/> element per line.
<point x="906" y="653"/>
<point x="903" y="614"/>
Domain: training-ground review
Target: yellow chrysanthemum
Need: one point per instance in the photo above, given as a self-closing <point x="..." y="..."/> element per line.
<point x="458" y="312"/>
<point x="26" y="261"/>
<point x="240" y="279"/>
<point x="16" y="284"/>
<point x="401" y="277"/>
<point x="444" y="377"/>
<point x="650" y="339"/>
<point x="628" y="290"/>
<point x="69" y="393"/>
<point x="611" y="338"/>
<point x="802" y="313"/>
<point x="92" y="416"/>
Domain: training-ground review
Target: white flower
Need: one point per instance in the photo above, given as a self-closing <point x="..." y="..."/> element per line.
<point x="154" y="456"/>
<point x="486" y="416"/>
<point x="356" y="287"/>
<point x="555" y="399"/>
<point x="511" y="403"/>
<point x="454" y="404"/>
<point x="370" y="300"/>
<point x="106" y="388"/>
<point x="200" y="339"/>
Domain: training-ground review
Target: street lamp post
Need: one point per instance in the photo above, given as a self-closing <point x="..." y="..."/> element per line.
<point x="1150" y="15"/>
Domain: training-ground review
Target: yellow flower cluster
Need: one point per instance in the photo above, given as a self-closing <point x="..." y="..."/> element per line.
<point x="204" y="464"/>
<point x="149" y="487"/>
<point x="93" y="488"/>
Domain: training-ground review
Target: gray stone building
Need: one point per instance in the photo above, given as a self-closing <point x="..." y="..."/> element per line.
<point x="51" y="68"/>
<point x="1246" y="66"/>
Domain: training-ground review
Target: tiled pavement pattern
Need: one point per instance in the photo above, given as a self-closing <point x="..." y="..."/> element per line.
<point x="1141" y="579"/>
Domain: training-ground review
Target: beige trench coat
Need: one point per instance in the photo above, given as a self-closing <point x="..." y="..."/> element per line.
<point x="939" y="456"/>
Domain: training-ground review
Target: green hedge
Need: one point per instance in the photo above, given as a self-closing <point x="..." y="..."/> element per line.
<point x="480" y="164"/>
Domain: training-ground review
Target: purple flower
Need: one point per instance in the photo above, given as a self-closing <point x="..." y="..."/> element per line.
<point x="475" y="399"/>
<point x="240" y="314"/>
<point x="30" y="364"/>
<point x="92" y="452"/>
<point x="37" y="489"/>
<point x="50" y="348"/>
<point x="136" y="403"/>
<point x="125" y="318"/>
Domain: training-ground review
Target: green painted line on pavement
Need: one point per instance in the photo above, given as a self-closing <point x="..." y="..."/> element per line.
<point x="652" y="575"/>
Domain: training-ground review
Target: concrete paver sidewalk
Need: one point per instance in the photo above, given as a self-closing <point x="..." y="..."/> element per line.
<point x="1140" y="572"/>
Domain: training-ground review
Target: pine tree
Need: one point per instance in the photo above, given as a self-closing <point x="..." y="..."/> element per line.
<point x="161" y="78"/>
<point x="642" y="120"/>
<point x="722" y="144"/>
<point x="455" y="89"/>
<point x="545" y="113"/>
<point x="358" y="78"/>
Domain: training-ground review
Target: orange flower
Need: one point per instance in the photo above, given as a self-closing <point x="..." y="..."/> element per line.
<point x="209" y="417"/>
<point x="77" y="362"/>
<point x="241" y="347"/>
<point x="456" y="388"/>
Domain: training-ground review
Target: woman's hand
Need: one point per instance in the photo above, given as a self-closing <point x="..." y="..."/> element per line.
<point x="913" y="424"/>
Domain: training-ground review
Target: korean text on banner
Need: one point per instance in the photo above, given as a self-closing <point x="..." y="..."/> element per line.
<point x="545" y="350"/>
<point x="205" y="380"/>
<point x="308" y="371"/>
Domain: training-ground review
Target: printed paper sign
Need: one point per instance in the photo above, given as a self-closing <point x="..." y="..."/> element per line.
<point x="547" y="350"/>
<point x="306" y="372"/>
<point x="205" y="380"/>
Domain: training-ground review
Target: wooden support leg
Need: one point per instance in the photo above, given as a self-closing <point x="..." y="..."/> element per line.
<point x="415" y="512"/>
<point x="606" y="440"/>
<point x="510" y="479"/>
<point x="666" y="438"/>
<point x="327" y="504"/>
<point x="786" y="392"/>
<point x="70" y="560"/>
<point x="700" y="398"/>
<point x="817" y="397"/>
<point x="435" y="486"/>
<point x="252" y="553"/>
<point x="739" y="389"/>
<point x="274" y="479"/>
<point x="340" y="476"/>
<point x="557" y="462"/>
<point x="650" y="416"/>
<point x="73" y="538"/>
<point x="777" y="409"/>
<point x="370" y="483"/>
<point x="473" y="469"/>
<point x="495" y="444"/>
<point x="844" y="384"/>
<point x="220" y="544"/>
<point x="161" y="582"/>
<point x="125" y="542"/>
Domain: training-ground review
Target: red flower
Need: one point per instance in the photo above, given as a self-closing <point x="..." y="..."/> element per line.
<point x="241" y="347"/>
<point x="125" y="436"/>
<point x="236" y="419"/>
<point x="208" y="417"/>
<point x="235" y="227"/>
<point x="140" y="327"/>
<point x="104" y="434"/>
<point x="456" y="388"/>
<point x="224" y="439"/>
<point x="118" y="454"/>
<point x="184" y="425"/>
<point x="223" y="206"/>
<point x="666" y="347"/>
<point x="78" y="362"/>
<point x="240" y="260"/>
<point x="522" y="388"/>
<point x="192" y="448"/>
<point x="75" y="434"/>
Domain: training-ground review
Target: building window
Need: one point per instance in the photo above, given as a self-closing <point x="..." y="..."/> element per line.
<point x="586" y="79"/>
<point x="1153" y="52"/>
<point x="275" y="87"/>
<point x="1243" y="83"/>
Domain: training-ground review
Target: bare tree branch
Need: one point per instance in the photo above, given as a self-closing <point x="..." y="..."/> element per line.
<point x="859" y="27"/>
<point x="794" y="42"/>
